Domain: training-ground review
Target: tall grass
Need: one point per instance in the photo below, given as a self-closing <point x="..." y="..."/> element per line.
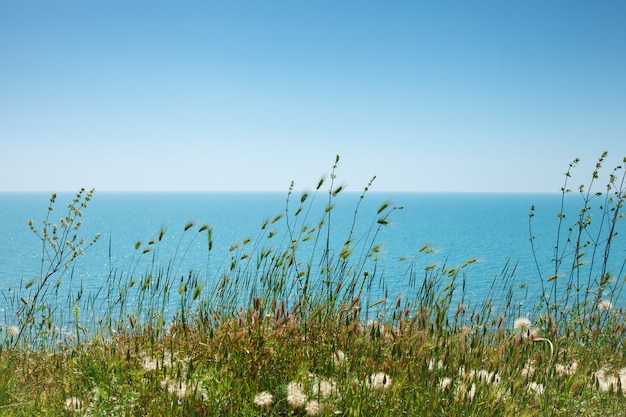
<point x="298" y="320"/>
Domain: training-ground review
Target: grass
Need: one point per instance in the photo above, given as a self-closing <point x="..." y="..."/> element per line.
<point x="285" y="326"/>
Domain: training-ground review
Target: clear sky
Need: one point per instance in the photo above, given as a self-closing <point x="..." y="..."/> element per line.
<point x="249" y="95"/>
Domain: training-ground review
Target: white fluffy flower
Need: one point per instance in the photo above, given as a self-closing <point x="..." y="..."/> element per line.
<point x="610" y="381"/>
<point x="323" y="387"/>
<point x="462" y="393"/>
<point x="522" y="323"/>
<point x="445" y="384"/>
<point x="536" y="388"/>
<point x="431" y="364"/>
<point x="485" y="376"/>
<point x="149" y="364"/>
<point x="73" y="404"/>
<point x="313" y="408"/>
<point x="264" y="399"/>
<point x="529" y="369"/>
<point x="339" y="358"/>
<point x="178" y="388"/>
<point x="379" y="381"/>
<point x="295" y="395"/>
<point x="566" y="370"/>
<point x="605" y="306"/>
<point x="13" y="331"/>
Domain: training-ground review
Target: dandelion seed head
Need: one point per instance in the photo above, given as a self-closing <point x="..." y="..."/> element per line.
<point x="339" y="358"/>
<point x="295" y="395"/>
<point x="536" y="388"/>
<point x="485" y="376"/>
<point x="12" y="331"/>
<point x="149" y="364"/>
<point x="445" y="384"/>
<point x="472" y="392"/>
<point x="605" y="382"/>
<point x="482" y="375"/>
<point x="566" y="370"/>
<point x="264" y="399"/>
<point x="605" y="306"/>
<point x="73" y="404"/>
<point x="379" y="381"/>
<point x="531" y="334"/>
<point x="462" y="393"/>
<point x="528" y="370"/>
<point x="314" y="408"/>
<point x="496" y="379"/>
<point x="522" y="323"/>
<point x="178" y="388"/>
<point x="323" y="388"/>
<point x="431" y="364"/>
<point x="609" y="381"/>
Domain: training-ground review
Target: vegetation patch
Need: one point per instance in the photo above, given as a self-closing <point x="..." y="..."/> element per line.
<point x="286" y="327"/>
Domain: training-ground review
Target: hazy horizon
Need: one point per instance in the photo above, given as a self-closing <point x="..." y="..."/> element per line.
<point x="446" y="96"/>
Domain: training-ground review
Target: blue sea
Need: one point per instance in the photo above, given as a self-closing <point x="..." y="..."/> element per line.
<point x="492" y="228"/>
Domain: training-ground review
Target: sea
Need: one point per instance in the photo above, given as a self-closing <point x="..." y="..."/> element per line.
<point x="493" y="230"/>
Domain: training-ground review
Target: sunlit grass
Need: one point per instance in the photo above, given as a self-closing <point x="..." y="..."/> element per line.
<point x="288" y="326"/>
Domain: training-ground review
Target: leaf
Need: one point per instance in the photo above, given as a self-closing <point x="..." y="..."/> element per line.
<point x="375" y="303"/>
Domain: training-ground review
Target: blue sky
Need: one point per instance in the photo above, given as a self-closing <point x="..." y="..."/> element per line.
<point x="249" y="95"/>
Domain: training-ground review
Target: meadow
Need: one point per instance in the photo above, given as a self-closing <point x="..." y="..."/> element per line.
<point x="287" y="326"/>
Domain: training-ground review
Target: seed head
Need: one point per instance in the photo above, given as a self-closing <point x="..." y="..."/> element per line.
<point x="379" y="381"/>
<point x="605" y="306"/>
<point x="522" y="323"/>
<point x="264" y="399"/>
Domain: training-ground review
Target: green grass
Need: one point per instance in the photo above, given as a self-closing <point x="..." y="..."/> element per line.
<point x="285" y="328"/>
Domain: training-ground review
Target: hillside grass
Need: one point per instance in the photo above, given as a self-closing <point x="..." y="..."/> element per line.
<point x="287" y="327"/>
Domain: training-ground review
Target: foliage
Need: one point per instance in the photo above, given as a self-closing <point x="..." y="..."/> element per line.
<point x="285" y="328"/>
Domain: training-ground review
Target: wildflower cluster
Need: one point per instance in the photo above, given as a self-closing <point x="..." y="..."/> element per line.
<point x="286" y="332"/>
<point x="315" y="395"/>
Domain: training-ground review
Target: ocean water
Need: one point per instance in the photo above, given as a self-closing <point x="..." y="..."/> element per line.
<point x="490" y="227"/>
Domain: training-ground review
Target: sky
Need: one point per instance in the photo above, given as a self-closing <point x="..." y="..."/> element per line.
<point x="496" y="96"/>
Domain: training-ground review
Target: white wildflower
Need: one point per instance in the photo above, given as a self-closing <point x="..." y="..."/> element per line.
<point x="323" y="387"/>
<point x="496" y="379"/>
<point x="606" y="382"/>
<point x="484" y="376"/>
<point x="149" y="364"/>
<point x="445" y="384"/>
<point x="536" y="388"/>
<point x="178" y="388"/>
<point x="264" y="399"/>
<point x="605" y="306"/>
<point x="522" y="323"/>
<point x="472" y="392"/>
<point x="13" y="331"/>
<point x="530" y="334"/>
<point x="462" y="393"/>
<point x="431" y="364"/>
<point x="610" y="382"/>
<point x="73" y="404"/>
<point x="529" y="370"/>
<point x="379" y="381"/>
<point x="313" y="408"/>
<point x="339" y="358"/>
<point x="566" y="370"/>
<point x="295" y="395"/>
